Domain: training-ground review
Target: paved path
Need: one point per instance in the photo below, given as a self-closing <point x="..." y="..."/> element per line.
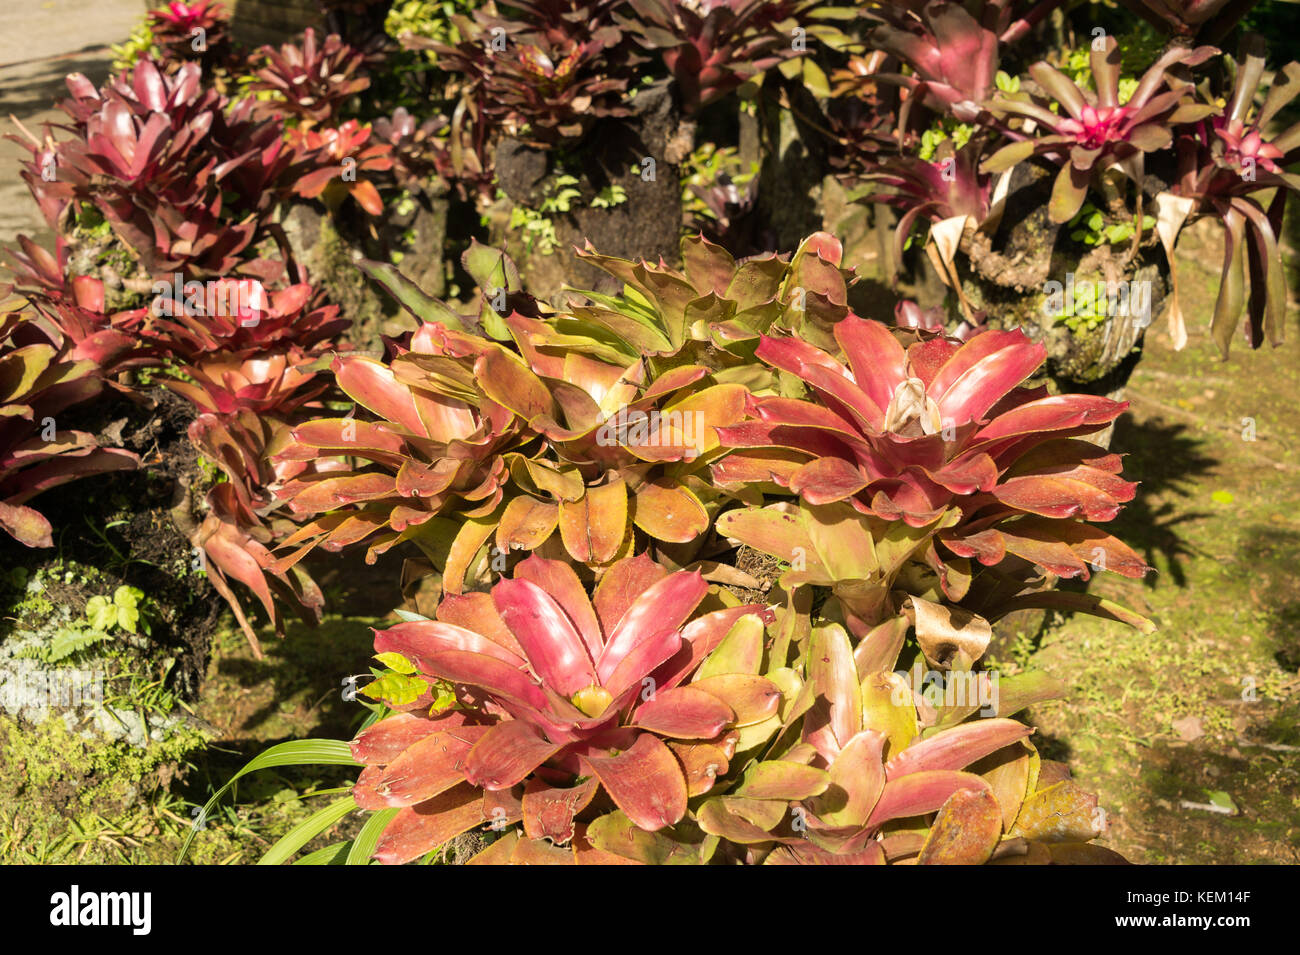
<point x="40" y="43"/>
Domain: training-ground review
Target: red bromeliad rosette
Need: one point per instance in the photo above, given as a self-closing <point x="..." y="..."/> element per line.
<point x="561" y="700"/>
<point x="942" y="430"/>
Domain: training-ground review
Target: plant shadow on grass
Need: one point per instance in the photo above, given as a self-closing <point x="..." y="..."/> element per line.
<point x="315" y="660"/>
<point x="296" y="691"/>
<point x="1271" y="552"/>
<point x="304" y="671"/>
<point x="310" y="660"/>
<point x="1166" y="460"/>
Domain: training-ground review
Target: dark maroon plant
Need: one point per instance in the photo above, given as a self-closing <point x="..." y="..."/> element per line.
<point x="544" y="88"/>
<point x="1207" y="21"/>
<point x="419" y="153"/>
<point x="949" y="185"/>
<point x="861" y="117"/>
<point x="951" y="48"/>
<point x="713" y="46"/>
<point x="309" y="82"/>
<point x="187" y="182"/>
<point x="1224" y="163"/>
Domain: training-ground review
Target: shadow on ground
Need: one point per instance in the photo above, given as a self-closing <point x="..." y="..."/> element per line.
<point x="1168" y="461"/>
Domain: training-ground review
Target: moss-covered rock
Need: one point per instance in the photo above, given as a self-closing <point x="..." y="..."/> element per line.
<point x="1031" y="273"/>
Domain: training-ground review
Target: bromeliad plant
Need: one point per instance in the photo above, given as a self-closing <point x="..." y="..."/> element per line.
<point x="712" y="47"/>
<point x="1224" y="163"/>
<point x="950" y="185"/>
<point x="575" y="701"/>
<point x="592" y="699"/>
<point x="1102" y="136"/>
<point x="599" y="425"/>
<point x="192" y="32"/>
<point x="866" y="770"/>
<point x="188" y="182"/>
<point x="1088" y="131"/>
<point x="937" y="454"/>
<point x="545" y="75"/>
<point x="309" y="83"/>
<point x="343" y="155"/>
<point x="39" y="381"/>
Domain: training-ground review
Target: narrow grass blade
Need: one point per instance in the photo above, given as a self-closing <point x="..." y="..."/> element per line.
<point x="364" y="844"/>
<point x="303" y="752"/>
<point x="307" y="830"/>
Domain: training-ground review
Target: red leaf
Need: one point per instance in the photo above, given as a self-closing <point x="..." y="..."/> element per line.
<point x="389" y="738"/>
<point x="557" y="653"/>
<point x="683" y="713"/>
<point x="663" y="606"/>
<point x="432" y="765"/>
<point x="645" y="781"/>
<point x="621" y="585"/>
<point x="418" y="639"/>
<point x="506" y="754"/>
<point x="878" y="361"/>
<point x="921" y="793"/>
<point x="549" y="810"/>
<point x="416" y="830"/>
<point x="956" y="748"/>
<point x="562" y="584"/>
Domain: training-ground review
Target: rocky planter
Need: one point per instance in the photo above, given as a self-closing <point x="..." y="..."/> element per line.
<point x="1086" y="353"/>
<point x="637" y="157"/>
<point x="1089" y="306"/>
<point x="96" y="251"/>
<point x="125" y="529"/>
<point x="412" y="233"/>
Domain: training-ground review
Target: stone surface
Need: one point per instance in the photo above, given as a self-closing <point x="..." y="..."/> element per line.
<point x="647" y="225"/>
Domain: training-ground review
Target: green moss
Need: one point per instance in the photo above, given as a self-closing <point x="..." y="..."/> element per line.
<point x="105" y="774"/>
<point x="66" y="799"/>
<point x="348" y="287"/>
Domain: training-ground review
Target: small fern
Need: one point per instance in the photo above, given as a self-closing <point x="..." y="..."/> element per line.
<point x="67" y="641"/>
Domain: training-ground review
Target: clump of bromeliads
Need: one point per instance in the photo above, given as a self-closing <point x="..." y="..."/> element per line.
<point x="711" y="565"/>
<point x="707" y="568"/>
